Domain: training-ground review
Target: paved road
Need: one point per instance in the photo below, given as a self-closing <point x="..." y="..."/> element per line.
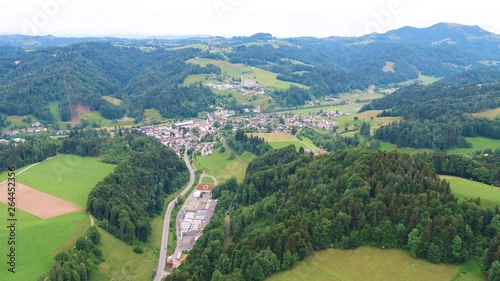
<point x="160" y="269"/>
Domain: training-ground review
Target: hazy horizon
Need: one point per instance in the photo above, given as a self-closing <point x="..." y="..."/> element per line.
<point x="228" y="18"/>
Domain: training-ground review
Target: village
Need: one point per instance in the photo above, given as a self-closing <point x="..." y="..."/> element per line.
<point x="201" y="135"/>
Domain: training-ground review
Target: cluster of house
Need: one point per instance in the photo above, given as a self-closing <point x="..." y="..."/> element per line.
<point x="35" y="128"/>
<point x="185" y="134"/>
<point x="247" y="87"/>
<point x="190" y="133"/>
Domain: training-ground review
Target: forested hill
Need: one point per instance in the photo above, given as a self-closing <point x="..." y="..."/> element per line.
<point x="149" y="73"/>
<point x="291" y="204"/>
<point x="80" y="74"/>
<point x="438" y="116"/>
<point x="468" y="92"/>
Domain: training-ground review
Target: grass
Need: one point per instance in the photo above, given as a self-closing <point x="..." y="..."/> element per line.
<point x="219" y="166"/>
<point x="390" y="147"/>
<point x="350" y="108"/>
<point x="153" y="114"/>
<point x="388" y="67"/>
<point x="16" y="120"/>
<point x="122" y="263"/>
<point x="478" y="143"/>
<point x="281" y="140"/>
<point x="366" y="264"/>
<point x="195" y="78"/>
<point x="112" y="100"/>
<point x="207" y="180"/>
<point x="54" y="110"/>
<point x="202" y="47"/>
<point x="465" y="189"/>
<point x="68" y="177"/>
<point x="38" y="241"/>
<point x="490" y="114"/>
<point x="470" y="271"/>
<point x="262" y="77"/>
<point x="427" y="80"/>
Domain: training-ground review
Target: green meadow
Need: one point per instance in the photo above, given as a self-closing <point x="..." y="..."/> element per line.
<point x="467" y="189"/>
<point x="369" y="264"/>
<point x="221" y="167"/>
<point x="478" y="143"/>
<point x="38" y="241"/>
<point x="68" y="177"/>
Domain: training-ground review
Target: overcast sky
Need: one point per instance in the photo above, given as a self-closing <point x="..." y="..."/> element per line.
<point x="282" y="18"/>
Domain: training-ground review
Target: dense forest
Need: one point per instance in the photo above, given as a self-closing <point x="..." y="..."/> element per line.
<point x="291" y="204"/>
<point x="31" y="151"/>
<point x="80" y="74"/>
<point x="438" y="116"/>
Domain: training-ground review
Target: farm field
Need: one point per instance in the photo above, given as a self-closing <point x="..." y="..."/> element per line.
<point x="464" y="189"/>
<point x="478" y="143"/>
<point x="112" y="100"/>
<point x="262" y="77"/>
<point x="67" y="177"/>
<point x="153" y="114"/>
<point x="369" y="264"/>
<point x="350" y="108"/>
<point x="281" y="140"/>
<point x="219" y="165"/>
<point x="490" y="114"/>
<point x="39" y="240"/>
<point x="390" y="147"/>
<point x="122" y="263"/>
<point x="16" y="120"/>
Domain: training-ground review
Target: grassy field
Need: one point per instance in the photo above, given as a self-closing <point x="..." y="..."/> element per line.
<point x="366" y="264"/>
<point x="281" y="140"/>
<point x="16" y="120"/>
<point x="153" y="114"/>
<point x="38" y="241"/>
<point x="122" y="263"/>
<point x="427" y="80"/>
<point x="68" y="177"/>
<point x="388" y="67"/>
<point x="470" y="271"/>
<point x="350" y="108"/>
<point x="490" y="114"/>
<point x="477" y="144"/>
<point x="112" y="100"/>
<point x="464" y="189"/>
<point x="219" y="165"/>
<point x="262" y="77"/>
<point x="207" y="180"/>
<point x="390" y="147"/>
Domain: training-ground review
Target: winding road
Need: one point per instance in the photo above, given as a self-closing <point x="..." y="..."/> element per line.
<point x="160" y="269"/>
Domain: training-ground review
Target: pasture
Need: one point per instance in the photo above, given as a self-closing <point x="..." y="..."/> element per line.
<point x="391" y="147"/>
<point x="153" y="114"/>
<point x="490" y="114"/>
<point x="122" y="263"/>
<point x="366" y="264"/>
<point x="112" y="100"/>
<point x="219" y="165"/>
<point x="467" y="189"/>
<point x="236" y="71"/>
<point x="388" y="67"/>
<point x="39" y="240"/>
<point x="68" y="178"/>
<point x="478" y="143"/>
<point x="281" y="140"/>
